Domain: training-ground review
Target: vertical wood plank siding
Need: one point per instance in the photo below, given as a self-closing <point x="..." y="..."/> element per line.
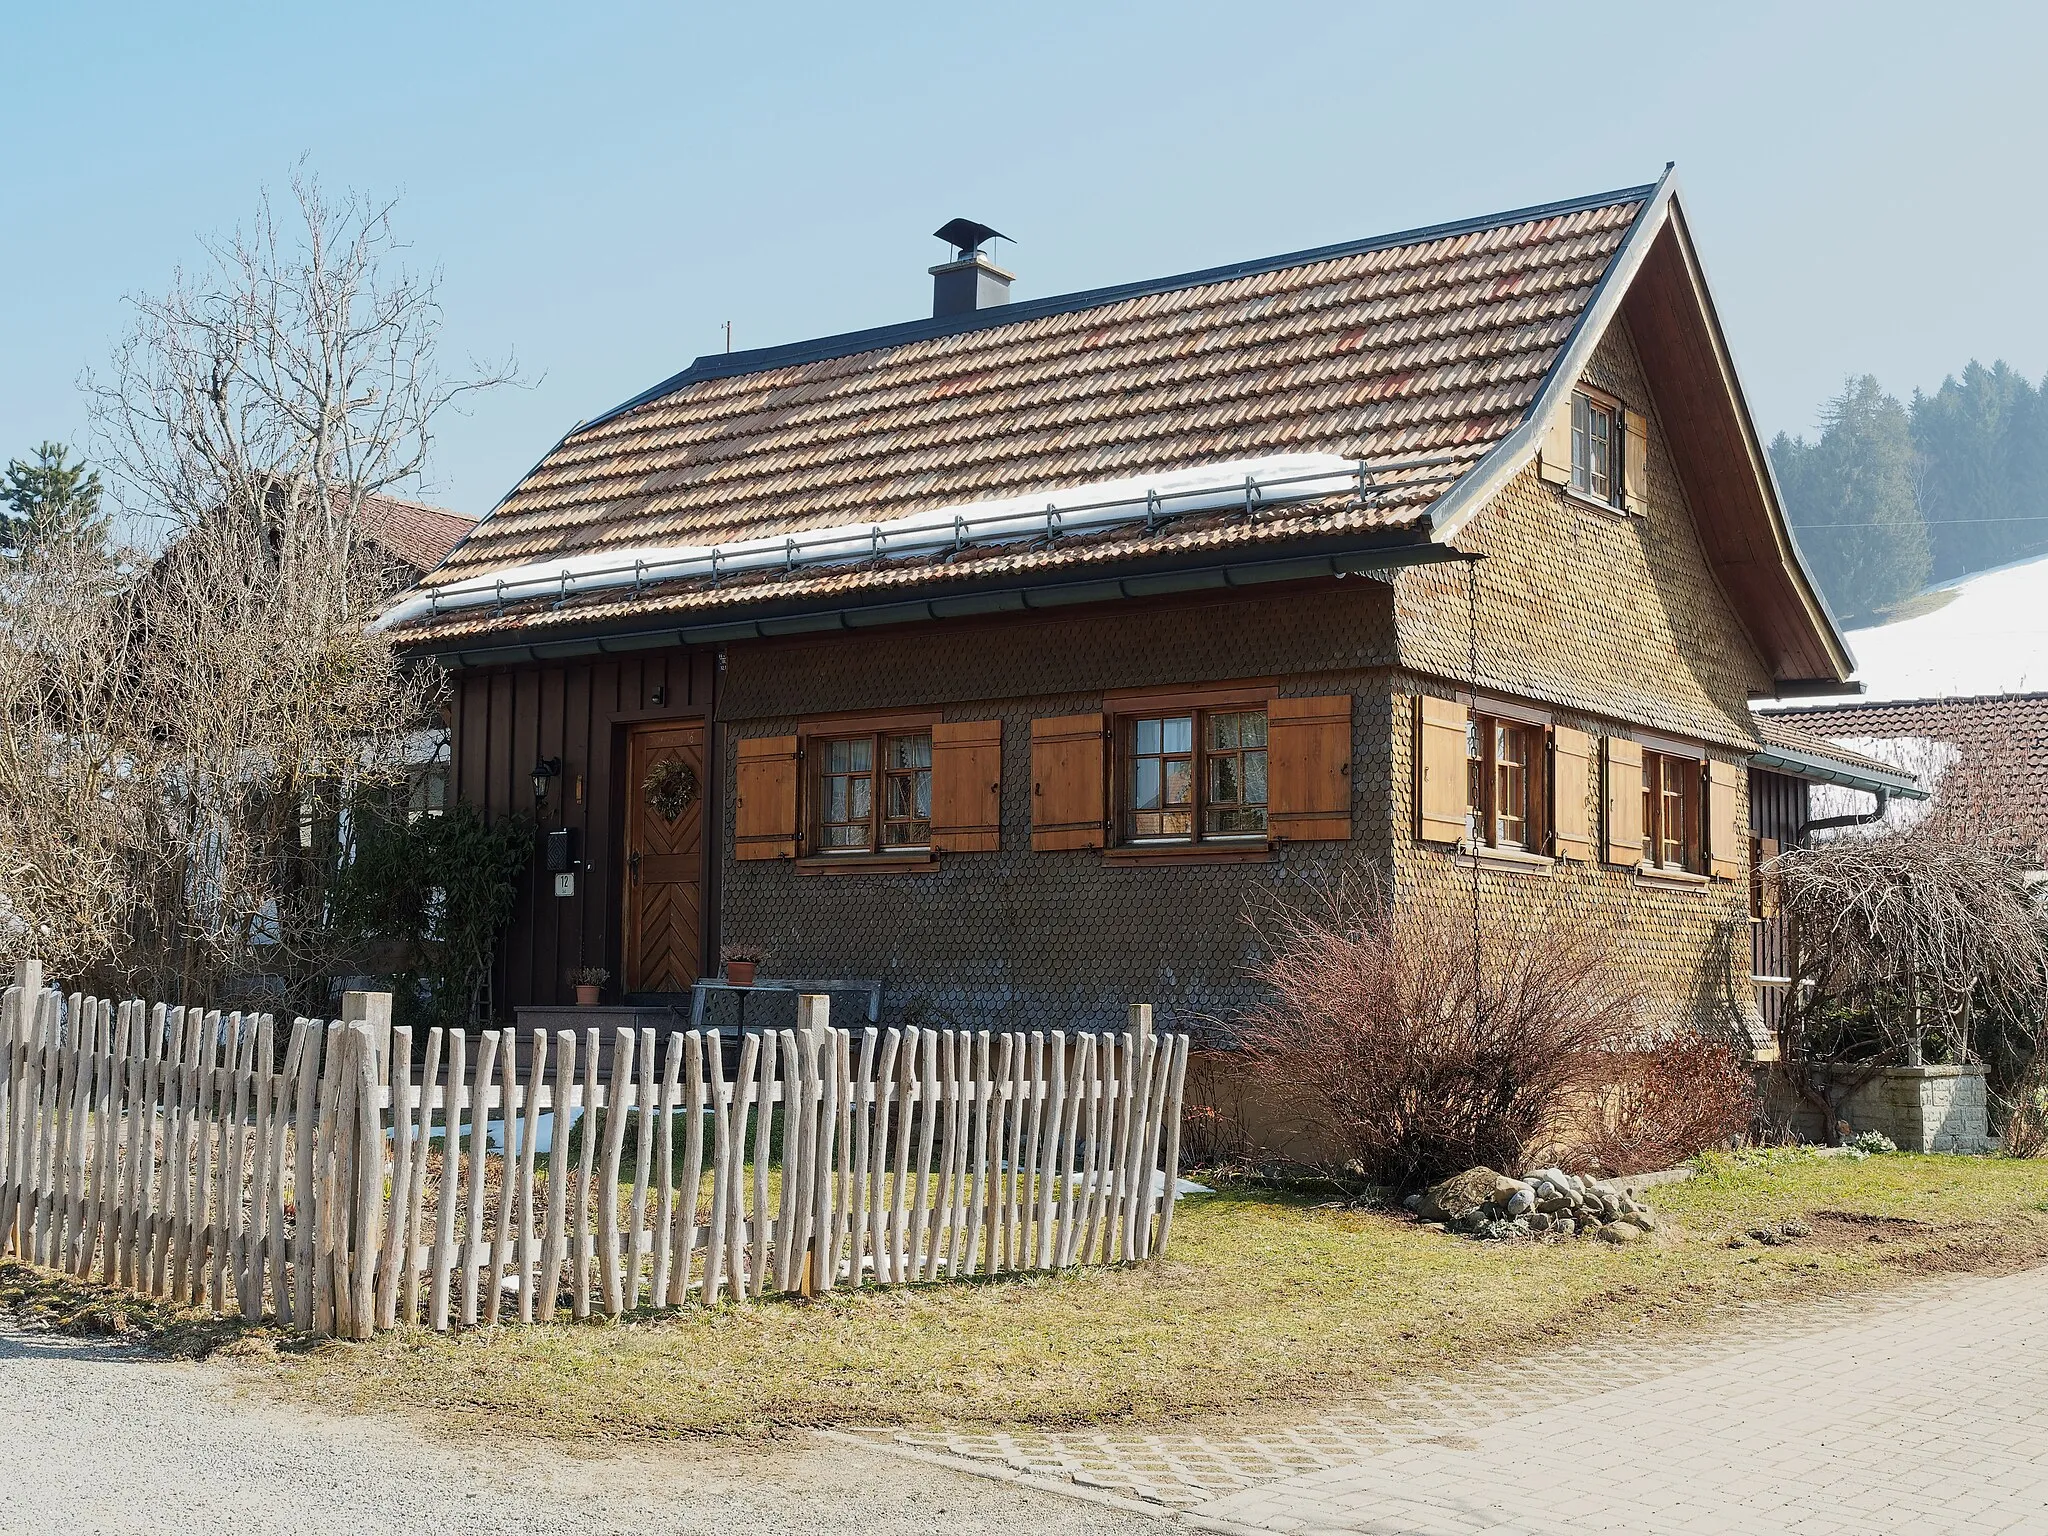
<point x="503" y="720"/>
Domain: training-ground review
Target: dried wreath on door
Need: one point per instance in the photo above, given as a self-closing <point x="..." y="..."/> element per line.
<point x="671" y="788"/>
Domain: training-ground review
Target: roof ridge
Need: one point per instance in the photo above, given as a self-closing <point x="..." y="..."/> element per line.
<point x="721" y="365"/>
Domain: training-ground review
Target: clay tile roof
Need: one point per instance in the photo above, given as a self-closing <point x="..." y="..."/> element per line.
<point x="412" y="532"/>
<point x="2000" y="744"/>
<point x="1780" y="732"/>
<point x="1428" y="344"/>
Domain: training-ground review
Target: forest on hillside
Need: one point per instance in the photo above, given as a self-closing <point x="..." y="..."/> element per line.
<point x="1891" y="495"/>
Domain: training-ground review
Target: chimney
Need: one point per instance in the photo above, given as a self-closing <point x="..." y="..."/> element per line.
<point x="970" y="281"/>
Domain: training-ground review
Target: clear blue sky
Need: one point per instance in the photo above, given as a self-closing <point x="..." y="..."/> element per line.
<point x="604" y="186"/>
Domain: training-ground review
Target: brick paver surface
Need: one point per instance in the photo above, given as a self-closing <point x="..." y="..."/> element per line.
<point x="1922" y="1411"/>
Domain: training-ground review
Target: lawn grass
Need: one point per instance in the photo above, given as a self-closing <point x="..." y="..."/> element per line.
<point x="1266" y="1304"/>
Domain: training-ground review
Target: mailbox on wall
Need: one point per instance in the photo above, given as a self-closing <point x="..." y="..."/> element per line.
<point x="561" y="851"/>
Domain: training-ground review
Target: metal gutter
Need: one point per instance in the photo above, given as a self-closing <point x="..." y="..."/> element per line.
<point x="1826" y="770"/>
<point x="843" y="616"/>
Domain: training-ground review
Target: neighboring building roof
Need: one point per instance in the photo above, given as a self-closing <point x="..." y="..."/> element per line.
<point x="1423" y="356"/>
<point x="1804" y="754"/>
<point x="1986" y="633"/>
<point x="412" y="532"/>
<point x="1997" y="755"/>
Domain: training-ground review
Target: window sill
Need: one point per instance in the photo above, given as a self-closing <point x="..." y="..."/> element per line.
<point x="1135" y="856"/>
<point x="867" y="864"/>
<point x="1472" y="856"/>
<point x="1669" y="879"/>
<point x="1594" y="503"/>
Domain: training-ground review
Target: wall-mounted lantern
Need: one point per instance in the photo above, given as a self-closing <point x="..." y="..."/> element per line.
<point x="543" y="771"/>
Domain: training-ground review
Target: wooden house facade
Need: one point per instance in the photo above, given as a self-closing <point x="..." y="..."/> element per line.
<point x="1009" y="657"/>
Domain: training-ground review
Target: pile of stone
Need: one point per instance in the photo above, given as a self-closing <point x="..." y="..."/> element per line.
<point x="1549" y="1204"/>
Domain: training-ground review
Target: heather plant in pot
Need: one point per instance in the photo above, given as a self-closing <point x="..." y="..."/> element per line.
<point x="588" y="980"/>
<point x="740" y="961"/>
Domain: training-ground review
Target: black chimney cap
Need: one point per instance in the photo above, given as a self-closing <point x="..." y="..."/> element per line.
<point x="965" y="235"/>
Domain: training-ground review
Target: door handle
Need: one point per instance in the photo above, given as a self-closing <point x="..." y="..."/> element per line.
<point x="633" y="864"/>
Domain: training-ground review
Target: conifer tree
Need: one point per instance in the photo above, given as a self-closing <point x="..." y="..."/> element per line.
<point x="1851" y="499"/>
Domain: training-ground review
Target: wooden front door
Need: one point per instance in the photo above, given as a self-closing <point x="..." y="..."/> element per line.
<point x="664" y="906"/>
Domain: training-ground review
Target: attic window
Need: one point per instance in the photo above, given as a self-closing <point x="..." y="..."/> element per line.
<point x="1597" y="447"/>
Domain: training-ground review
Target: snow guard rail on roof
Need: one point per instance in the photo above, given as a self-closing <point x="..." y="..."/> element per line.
<point x="951" y="529"/>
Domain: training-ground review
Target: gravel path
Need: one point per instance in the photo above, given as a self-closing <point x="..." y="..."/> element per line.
<point x="103" y="1439"/>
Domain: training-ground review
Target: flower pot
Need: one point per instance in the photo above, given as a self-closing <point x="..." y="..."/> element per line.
<point x="586" y="997"/>
<point x="740" y="972"/>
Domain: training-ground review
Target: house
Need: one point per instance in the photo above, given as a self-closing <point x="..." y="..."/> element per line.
<point x="412" y="537"/>
<point x="1006" y="655"/>
<point x="1956" y="692"/>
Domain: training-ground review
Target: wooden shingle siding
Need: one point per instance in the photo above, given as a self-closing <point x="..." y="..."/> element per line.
<point x="967" y="786"/>
<point x="1068" y="784"/>
<point x="765" y="802"/>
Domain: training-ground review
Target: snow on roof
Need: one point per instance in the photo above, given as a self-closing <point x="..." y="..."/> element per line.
<point x="1990" y="637"/>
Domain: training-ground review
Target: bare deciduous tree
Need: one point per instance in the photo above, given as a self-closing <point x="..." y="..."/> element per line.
<point x="206" y="717"/>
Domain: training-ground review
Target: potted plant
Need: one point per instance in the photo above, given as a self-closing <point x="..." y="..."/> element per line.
<point x="739" y="961"/>
<point x="588" y="980"/>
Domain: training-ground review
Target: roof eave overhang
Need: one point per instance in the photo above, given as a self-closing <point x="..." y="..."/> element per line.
<point x="771" y="618"/>
<point x="1816" y="769"/>
<point x="1470" y="495"/>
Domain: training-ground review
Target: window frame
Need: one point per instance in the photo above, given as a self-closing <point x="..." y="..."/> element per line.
<point x="1125" y="757"/>
<point x="1669" y="777"/>
<point x="1483" y="731"/>
<point x="1587" y="401"/>
<point x="1122" y="712"/>
<point x="814" y="739"/>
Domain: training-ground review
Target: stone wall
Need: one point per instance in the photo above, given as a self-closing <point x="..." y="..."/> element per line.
<point x="1922" y="1109"/>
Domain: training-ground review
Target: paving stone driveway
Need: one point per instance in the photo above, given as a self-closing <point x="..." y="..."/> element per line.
<point x="1925" y="1410"/>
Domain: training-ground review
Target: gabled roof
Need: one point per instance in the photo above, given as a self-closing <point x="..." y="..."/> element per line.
<point x="413" y="533"/>
<point x="1423" y="356"/>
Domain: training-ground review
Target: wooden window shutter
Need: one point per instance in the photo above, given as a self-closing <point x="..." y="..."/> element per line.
<point x="1554" y="462"/>
<point x="1441" y="784"/>
<point x="1726" y="836"/>
<point x="1635" y="461"/>
<point x="1624" y="801"/>
<point x="1571" y="789"/>
<point x="764" y="810"/>
<point x="1067" y="783"/>
<point x="967" y="786"/>
<point x="1308" y="768"/>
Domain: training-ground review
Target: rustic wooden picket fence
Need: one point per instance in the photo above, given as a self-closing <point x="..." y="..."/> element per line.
<point x="170" y="1151"/>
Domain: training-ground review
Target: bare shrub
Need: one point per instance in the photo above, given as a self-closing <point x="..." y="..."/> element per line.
<point x="1689" y="1093"/>
<point x="1414" y="1062"/>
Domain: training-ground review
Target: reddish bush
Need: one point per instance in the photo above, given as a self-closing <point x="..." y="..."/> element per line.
<point x="1418" y="1064"/>
<point x="1669" y="1104"/>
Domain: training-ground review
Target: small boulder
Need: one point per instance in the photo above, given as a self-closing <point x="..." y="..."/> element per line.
<point x="1641" y="1217"/>
<point x="1520" y="1203"/>
<point x="1621" y="1232"/>
<point x="1414" y="1201"/>
<point x="1460" y="1195"/>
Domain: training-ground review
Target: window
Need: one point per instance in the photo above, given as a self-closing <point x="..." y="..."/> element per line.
<point x="873" y="792"/>
<point x="1597" y="449"/>
<point x="1197" y="775"/>
<point x="1503" y="793"/>
<point x="1671" y="812"/>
